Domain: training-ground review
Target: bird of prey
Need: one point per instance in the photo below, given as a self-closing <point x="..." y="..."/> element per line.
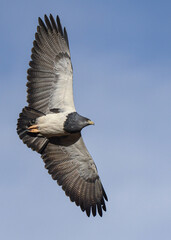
<point x="50" y="124"/>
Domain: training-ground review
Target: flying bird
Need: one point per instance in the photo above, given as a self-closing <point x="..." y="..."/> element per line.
<point x="50" y="124"/>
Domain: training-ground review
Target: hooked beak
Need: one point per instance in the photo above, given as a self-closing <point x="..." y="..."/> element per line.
<point x="90" y="122"/>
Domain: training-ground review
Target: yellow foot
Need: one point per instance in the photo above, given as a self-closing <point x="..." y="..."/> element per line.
<point x="33" y="129"/>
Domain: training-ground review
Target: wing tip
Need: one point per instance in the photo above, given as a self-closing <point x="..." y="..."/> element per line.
<point x="51" y="24"/>
<point x="41" y="24"/>
<point x="104" y="194"/>
<point x="95" y="210"/>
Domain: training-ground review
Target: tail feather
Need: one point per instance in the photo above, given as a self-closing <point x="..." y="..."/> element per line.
<point x="32" y="140"/>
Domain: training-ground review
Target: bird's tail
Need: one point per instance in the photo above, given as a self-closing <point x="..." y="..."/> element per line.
<point x="33" y="140"/>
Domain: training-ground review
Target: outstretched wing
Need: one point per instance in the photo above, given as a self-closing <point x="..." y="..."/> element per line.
<point x="50" y="73"/>
<point x="69" y="162"/>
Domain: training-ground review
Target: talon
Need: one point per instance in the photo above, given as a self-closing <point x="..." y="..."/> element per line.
<point x="33" y="129"/>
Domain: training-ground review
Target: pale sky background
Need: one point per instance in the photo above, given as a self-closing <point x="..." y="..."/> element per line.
<point x="121" y="54"/>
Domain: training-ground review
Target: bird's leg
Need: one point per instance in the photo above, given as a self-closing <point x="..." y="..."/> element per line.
<point x="33" y="129"/>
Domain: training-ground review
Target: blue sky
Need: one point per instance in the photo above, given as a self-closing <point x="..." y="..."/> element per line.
<point x="121" y="54"/>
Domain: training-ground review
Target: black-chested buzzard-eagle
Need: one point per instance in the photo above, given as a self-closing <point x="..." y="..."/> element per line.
<point x="50" y="124"/>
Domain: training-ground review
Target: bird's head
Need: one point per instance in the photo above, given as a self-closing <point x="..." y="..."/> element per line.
<point x="75" y="122"/>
